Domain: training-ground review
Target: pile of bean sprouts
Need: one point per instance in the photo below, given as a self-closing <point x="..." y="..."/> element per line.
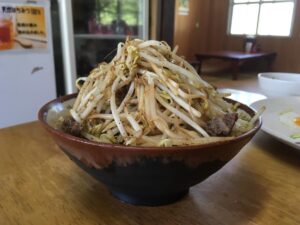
<point x="149" y="96"/>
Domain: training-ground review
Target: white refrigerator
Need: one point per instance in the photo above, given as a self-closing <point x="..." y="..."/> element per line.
<point x="27" y="74"/>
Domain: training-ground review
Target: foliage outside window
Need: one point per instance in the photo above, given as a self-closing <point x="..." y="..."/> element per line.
<point x="110" y="10"/>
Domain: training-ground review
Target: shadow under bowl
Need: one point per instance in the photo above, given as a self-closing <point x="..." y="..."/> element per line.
<point x="142" y="175"/>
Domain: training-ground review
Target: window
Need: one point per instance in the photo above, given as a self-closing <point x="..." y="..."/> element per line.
<point x="109" y="10"/>
<point x="261" y="17"/>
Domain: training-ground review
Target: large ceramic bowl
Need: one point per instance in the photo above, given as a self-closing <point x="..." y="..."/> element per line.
<point x="142" y="175"/>
<point x="279" y="84"/>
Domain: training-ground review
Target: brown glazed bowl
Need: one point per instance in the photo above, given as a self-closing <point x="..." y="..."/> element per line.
<point x="142" y="175"/>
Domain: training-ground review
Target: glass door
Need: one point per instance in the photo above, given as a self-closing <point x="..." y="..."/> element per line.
<point x="100" y="24"/>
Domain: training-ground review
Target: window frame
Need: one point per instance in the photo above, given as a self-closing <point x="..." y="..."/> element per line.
<point x="260" y="2"/>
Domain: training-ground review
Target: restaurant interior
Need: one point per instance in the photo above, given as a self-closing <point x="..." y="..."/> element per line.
<point x="149" y="112"/>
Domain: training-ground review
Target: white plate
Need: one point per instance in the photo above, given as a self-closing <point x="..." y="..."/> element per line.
<point x="271" y="121"/>
<point x="244" y="97"/>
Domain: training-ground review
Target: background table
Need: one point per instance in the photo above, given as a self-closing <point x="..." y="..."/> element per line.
<point x="237" y="59"/>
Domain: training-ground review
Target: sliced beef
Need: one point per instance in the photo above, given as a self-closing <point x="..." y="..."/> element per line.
<point x="70" y="126"/>
<point x="221" y="126"/>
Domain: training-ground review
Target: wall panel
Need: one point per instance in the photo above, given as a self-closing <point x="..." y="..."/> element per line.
<point x="205" y="29"/>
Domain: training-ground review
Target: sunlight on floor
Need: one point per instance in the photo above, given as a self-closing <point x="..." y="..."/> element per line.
<point x="245" y="82"/>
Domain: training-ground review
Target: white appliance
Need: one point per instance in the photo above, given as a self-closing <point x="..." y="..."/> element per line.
<point x="27" y="77"/>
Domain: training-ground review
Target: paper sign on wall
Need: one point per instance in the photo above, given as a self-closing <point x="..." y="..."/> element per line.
<point x="22" y="27"/>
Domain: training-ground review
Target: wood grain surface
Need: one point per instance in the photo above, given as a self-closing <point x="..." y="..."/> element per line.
<point x="205" y="29"/>
<point x="39" y="185"/>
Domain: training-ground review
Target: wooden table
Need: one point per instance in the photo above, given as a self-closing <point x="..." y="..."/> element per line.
<point x="39" y="185"/>
<point x="236" y="58"/>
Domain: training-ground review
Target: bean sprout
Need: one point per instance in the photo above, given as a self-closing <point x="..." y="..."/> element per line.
<point x="149" y="96"/>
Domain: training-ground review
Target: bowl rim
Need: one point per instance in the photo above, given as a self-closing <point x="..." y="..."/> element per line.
<point x="265" y="76"/>
<point x="129" y="148"/>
